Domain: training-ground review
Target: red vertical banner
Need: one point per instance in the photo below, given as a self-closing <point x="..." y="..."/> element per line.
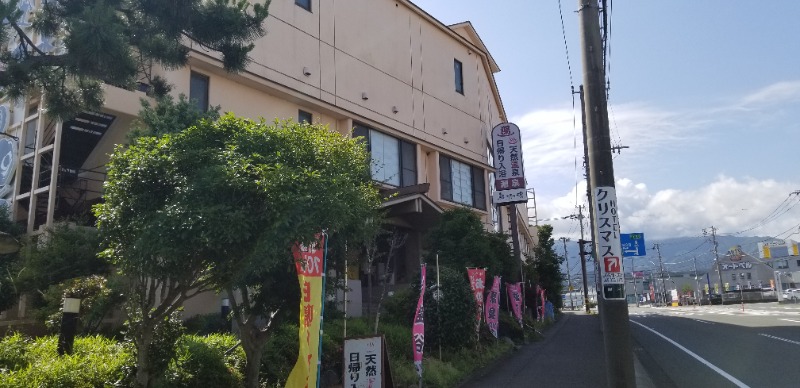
<point x="310" y="263"/>
<point x="515" y="296"/>
<point x="418" y="329"/>
<point x="493" y="306"/>
<point x="477" y="280"/>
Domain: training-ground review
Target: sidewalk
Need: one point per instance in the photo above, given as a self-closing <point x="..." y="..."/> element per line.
<point x="570" y="355"/>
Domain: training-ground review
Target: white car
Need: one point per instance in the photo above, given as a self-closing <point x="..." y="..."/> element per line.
<point x="792" y="294"/>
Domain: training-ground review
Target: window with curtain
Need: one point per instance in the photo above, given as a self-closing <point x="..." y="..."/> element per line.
<point x="394" y="161"/>
<point x="462" y="183"/>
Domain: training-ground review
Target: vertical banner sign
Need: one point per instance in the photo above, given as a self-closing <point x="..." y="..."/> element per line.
<point x="418" y="330"/>
<point x="515" y="296"/>
<point x="510" y="177"/>
<point x="608" y="246"/>
<point x="310" y="261"/>
<point x="477" y="280"/>
<point x="493" y="307"/>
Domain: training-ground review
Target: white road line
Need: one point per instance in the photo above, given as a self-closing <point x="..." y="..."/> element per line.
<point x="702" y="321"/>
<point x="790" y="320"/>
<point x="779" y="338"/>
<point x="724" y="374"/>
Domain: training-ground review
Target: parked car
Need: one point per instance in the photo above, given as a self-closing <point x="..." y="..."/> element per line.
<point x="792" y="294"/>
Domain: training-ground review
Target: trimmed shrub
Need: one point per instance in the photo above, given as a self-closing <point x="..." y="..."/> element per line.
<point x="96" y="362"/>
<point x="201" y="361"/>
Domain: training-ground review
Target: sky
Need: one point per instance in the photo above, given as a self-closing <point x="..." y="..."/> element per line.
<point x="704" y="93"/>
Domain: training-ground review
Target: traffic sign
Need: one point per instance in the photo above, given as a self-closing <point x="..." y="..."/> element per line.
<point x="632" y="244"/>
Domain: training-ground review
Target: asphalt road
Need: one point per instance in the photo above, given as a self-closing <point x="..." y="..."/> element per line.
<point x="719" y="346"/>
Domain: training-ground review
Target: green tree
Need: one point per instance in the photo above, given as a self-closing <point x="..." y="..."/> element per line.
<point x="9" y="262"/>
<point x="545" y="270"/>
<point x="218" y="206"/>
<point x="461" y="241"/>
<point x="117" y="42"/>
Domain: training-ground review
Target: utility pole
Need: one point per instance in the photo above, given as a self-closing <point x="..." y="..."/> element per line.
<point x="716" y="258"/>
<point x="657" y="247"/>
<point x="607" y="245"/>
<point x="583" y="262"/>
<point x="697" y="284"/>
<point x="569" y="277"/>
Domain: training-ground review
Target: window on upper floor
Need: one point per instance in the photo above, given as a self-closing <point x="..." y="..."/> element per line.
<point x="459" y="75"/>
<point x="198" y="90"/>
<point x="304" y="117"/>
<point x="304" y="4"/>
<point x="782" y="264"/>
<point x="798" y="263"/>
<point x="394" y="161"/>
<point x="462" y="183"/>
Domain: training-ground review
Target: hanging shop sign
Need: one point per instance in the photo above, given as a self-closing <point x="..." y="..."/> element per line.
<point x="509" y="180"/>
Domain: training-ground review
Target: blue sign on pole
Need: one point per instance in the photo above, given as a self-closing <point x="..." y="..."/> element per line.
<point x="632" y="244"/>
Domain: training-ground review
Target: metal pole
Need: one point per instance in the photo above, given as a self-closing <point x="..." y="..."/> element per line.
<point x="569" y="277"/>
<point x="583" y="262"/>
<point x="512" y="210"/>
<point x="614" y="314"/>
<point x="661" y="274"/>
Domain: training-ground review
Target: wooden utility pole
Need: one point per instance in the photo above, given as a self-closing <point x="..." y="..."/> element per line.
<point x="608" y="249"/>
<point x="569" y="276"/>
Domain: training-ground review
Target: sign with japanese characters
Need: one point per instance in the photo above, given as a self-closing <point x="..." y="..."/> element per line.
<point x="366" y="363"/>
<point x="310" y="264"/>
<point x="608" y="246"/>
<point x="515" y="296"/>
<point x="509" y="180"/>
<point x="418" y="329"/>
<point x="633" y="244"/>
<point x="477" y="280"/>
<point x="744" y="265"/>
<point x="493" y="307"/>
<point x="778" y="248"/>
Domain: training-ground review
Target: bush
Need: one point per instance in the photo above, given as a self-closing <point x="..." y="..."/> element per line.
<point x="280" y="355"/>
<point x="207" y="324"/>
<point x="201" y="361"/>
<point x="452" y="322"/>
<point x="96" y="362"/>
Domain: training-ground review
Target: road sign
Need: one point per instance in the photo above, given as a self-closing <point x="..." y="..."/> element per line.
<point x="632" y="244"/>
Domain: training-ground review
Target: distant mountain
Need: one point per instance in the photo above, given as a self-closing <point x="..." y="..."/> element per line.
<point x="679" y="254"/>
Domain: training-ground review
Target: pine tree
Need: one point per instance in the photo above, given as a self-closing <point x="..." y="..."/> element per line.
<point x="84" y="43"/>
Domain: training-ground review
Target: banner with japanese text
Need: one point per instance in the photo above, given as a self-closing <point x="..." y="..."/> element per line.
<point x="515" y="296"/>
<point x="310" y="264"/>
<point x="493" y="306"/>
<point x="418" y="330"/>
<point x="477" y="280"/>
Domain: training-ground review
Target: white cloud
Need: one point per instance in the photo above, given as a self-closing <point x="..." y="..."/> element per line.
<point x="731" y="205"/>
<point x="779" y="92"/>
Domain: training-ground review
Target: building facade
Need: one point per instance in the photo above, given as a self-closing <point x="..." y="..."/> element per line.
<point x="421" y="93"/>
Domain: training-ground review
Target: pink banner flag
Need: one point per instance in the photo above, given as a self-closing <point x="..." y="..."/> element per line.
<point x="493" y="306"/>
<point x="515" y="296"/>
<point x="418" y="330"/>
<point x="477" y="280"/>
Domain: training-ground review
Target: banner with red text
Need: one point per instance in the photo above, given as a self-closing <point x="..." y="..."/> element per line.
<point x="477" y="280"/>
<point x="418" y="330"/>
<point x="515" y="296"/>
<point x="493" y="306"/>
<point x="310" y="263"/>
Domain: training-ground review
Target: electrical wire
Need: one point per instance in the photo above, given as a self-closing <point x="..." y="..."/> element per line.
<point x="779" y="211"/>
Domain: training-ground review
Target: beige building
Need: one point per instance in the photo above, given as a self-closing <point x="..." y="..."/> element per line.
<point x="421" y="92"/>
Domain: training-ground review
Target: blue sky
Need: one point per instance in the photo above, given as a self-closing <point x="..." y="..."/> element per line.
<point x="705" y="94"/>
